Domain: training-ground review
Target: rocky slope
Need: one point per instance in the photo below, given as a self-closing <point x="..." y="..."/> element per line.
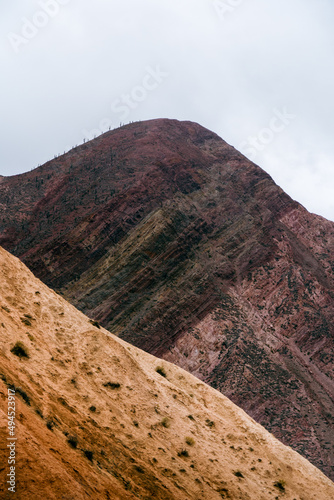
<point x="178" y="244"/>
<point x="95" y="419"/>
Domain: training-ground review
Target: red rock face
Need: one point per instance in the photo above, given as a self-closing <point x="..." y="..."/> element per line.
<point x="177" y="243"/>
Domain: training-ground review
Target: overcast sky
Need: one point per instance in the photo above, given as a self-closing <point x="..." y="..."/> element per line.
<point x="259" y="73"/>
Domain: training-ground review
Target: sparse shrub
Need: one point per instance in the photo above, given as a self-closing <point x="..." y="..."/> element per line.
<point x="5" y="309"/>
<point x="191" y="417"/>
<point x="112" y="385"/>
<point x="190" y="441"/>
<point x="209" y="423"/>
<point x="88" y="454"/>
<point x="92" y="409"/>
<point x="139" y="469"/>
<point x="165" y="422"/>
<point x="238" y="473"/>
<point x="23" y="395"/>
<point x="135" y="423"/>
<point x="224" y="493"/>
<point x="95" y="323"/>
<point x="280" y="485"/>
<point x="39" y="412"/>
<point x="161" y="371"/>
<point x="72" y="441"/>
<point x="183" y="453"/>
<point x="26" y="321"/>
<point x="20" y="350"/>
<point x="49" y="424"/>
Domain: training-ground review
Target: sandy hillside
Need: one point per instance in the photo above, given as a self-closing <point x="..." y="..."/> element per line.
<point x="96" y="420"/>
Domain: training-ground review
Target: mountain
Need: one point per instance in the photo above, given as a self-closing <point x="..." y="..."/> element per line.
<point x="178" y="244"/>
<point x="98" y="418"/>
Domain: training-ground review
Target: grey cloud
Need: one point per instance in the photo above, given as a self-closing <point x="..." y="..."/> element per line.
<point x="226" y="72"/>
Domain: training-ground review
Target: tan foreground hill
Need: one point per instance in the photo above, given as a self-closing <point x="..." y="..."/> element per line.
<point x="98" y="418"/>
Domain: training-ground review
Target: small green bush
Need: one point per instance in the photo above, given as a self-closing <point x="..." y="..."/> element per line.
<point x="88" y="454"/>
<point x="20" y="350"/>
<point x="26" y="321"/>
<point x="23" y="395"/>
<point x="72" y="441"/>
<point x="49" y="424"/>
<point x="112" y="385"/>
<point x="95" y="323"/>
<point x="190" y="441"/>
<point x="165" y="422"/>
<point x="224" y="493"/>
<point x="161" y="371"/>
<point x="183" y="453"/>
<point x="280" y="485"/>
